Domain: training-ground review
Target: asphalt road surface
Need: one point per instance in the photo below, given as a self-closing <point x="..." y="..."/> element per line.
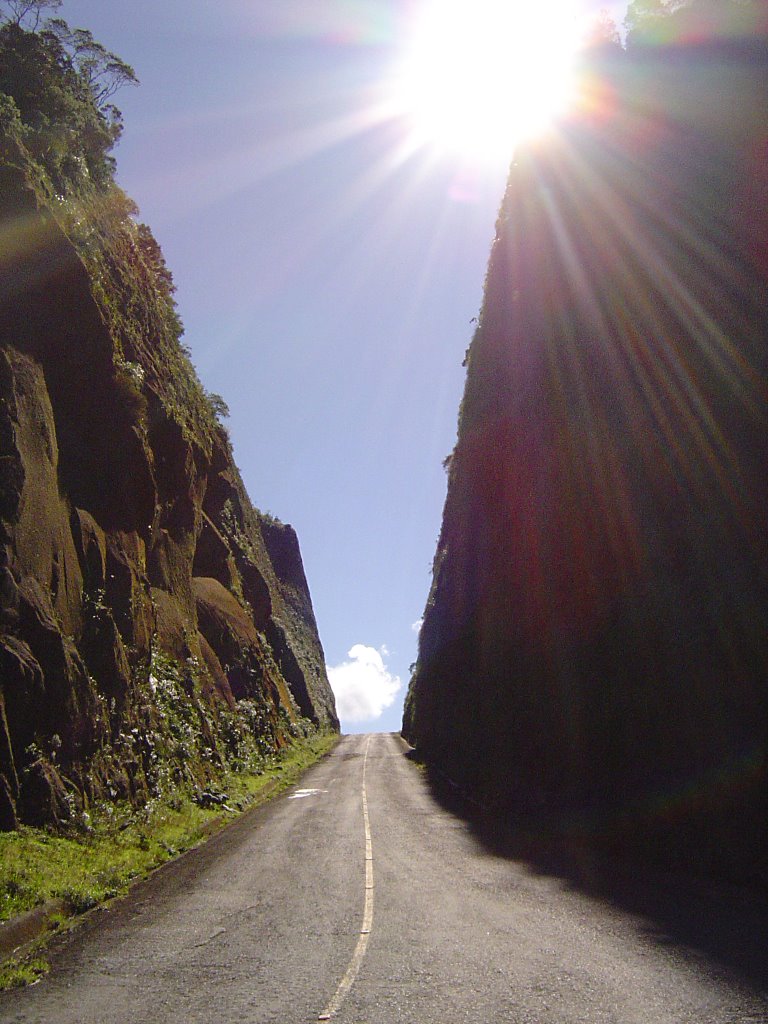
<point x="358" y="896"/>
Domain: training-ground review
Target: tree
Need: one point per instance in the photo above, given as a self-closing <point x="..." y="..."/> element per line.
<point x="653" y="21"/>
<point x="154" y="260"/>
<point x="218" y="406"/>
<point x="19" y="11"/>
<point x="61" y="81"/>
<point x="645" y="17"/>
<point x="104" y="72"/>
<point x="604" y="33"/>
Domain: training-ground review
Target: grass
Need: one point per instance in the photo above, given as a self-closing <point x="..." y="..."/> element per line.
<point x="122" y="845"/>
<point x="21" y="971"/>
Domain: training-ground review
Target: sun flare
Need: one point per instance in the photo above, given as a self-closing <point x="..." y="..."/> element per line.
<point x="478" y="76"/>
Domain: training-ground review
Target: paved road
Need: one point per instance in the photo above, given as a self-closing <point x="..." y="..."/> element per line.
<point x="273" y="922"/>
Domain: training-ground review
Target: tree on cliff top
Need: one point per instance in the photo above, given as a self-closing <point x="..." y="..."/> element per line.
<point x="604" y="32"/>
<point x="61" y="81"/>
<point x="27" y="12"/>
<point x="643" y="16"/>
<point x="654" y="22"/>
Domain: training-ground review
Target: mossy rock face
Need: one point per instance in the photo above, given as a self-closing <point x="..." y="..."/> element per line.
<point x="117" y="489"/>
<point x="214" y="559"/>
<point x="223" y="621"/>
<point x="105" y="655"/>
<point x="229" y="630"/>
<point x="216" y="684"/>
<point x="127" y="590"/>
<point x="9" y="820"/>
<point x="593" y="657"/>
<point x="172" y="626"/>
<point x="292" y="630"/>
<point x="91" y="546"/>
<point x="43" y="548"/>
<point x="44" y="799"/>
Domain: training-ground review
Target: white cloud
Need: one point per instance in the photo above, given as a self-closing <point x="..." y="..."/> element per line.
<point x="363" y="686"/>
<point x="416" y="626"/>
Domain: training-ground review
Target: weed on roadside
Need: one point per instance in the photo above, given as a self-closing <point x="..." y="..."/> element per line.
<point x="21" y="971"/>
<point x="123" y="844"/>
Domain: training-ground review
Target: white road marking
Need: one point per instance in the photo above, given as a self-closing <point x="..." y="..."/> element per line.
<point x="355" y="963"/>
<point x="301" y="793"/>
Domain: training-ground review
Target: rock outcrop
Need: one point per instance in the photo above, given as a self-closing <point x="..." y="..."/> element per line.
<point x="154" y="627"/>
<point x="594" y="657"/>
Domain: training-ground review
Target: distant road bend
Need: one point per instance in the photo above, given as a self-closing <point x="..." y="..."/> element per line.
<point x="357" y="897"/>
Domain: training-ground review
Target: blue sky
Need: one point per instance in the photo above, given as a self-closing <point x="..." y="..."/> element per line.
<point x="327" y="280"/>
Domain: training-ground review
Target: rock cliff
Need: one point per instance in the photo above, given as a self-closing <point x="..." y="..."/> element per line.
<point x="155" y="629"/>
<point x="593" y="656"/>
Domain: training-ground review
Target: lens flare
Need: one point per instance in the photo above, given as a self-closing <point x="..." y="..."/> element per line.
<point x="478" y="77"/>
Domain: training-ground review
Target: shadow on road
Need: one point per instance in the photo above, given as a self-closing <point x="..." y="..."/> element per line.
<point x="694" y="917"/>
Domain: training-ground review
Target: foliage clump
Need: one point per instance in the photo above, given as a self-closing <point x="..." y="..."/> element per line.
<point x="61" y="81"/>
<point x="659" y="22"/>
<point x="189" y="744"/>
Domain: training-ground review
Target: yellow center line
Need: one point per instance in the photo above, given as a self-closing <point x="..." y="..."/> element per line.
<point x="355" y="963"/>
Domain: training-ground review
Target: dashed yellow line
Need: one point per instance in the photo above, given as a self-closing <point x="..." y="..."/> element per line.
<point x="355" y="963"/>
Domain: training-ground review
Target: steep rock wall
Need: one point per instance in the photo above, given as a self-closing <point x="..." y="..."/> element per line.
<point x="143" y="623"/>
<point x="593" y="659"/>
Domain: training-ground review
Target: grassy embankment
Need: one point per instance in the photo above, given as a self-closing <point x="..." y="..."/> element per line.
<point x="121" y="845"/>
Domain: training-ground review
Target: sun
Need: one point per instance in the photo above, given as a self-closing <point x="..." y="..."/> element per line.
<point x="479" y="76"/>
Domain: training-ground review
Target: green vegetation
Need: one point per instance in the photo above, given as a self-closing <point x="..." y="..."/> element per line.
<point x="61" y="81"/>
<point x="116" y="844"/>
<point x="56" y="86"/>
<point x="164" y="733"/>
<point x="662" y="21"/>
<point x="22" y="970"/>
<point x="187" y="745"/>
